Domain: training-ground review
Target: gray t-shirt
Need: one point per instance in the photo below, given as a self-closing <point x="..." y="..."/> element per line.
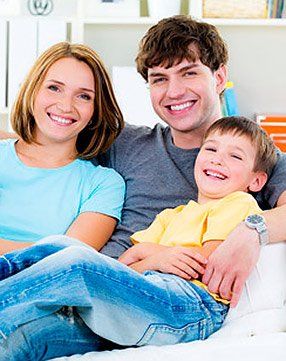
<point x="159" y="175"/>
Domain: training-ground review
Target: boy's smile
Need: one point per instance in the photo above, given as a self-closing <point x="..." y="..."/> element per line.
<point x="224" y="165"/>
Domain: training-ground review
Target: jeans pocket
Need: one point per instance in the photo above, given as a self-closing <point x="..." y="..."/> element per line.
<point x="163" y="334"/>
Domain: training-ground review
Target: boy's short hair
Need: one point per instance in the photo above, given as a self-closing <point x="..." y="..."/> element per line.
<point x="168" y="43"/>
<point x="106" y="121"/>
<point x="266" y="152"/>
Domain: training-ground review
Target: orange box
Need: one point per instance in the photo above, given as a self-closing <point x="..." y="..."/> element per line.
<point x="275" y="126"/>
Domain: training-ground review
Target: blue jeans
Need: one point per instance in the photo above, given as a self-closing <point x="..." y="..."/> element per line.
<point x="117" y="303"/>
<point x="60" y="334"/>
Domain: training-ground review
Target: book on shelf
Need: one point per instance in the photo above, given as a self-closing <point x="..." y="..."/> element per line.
<point x="229" y="101"/>
<point x="240" y="9"/>
<point x="275" y="126"/>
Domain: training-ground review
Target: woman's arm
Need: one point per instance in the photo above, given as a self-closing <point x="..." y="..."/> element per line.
<point x="92" y="228"/>
<point x="7" y="246"/>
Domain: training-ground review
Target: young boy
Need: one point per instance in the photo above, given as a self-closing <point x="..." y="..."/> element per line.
<point x="236" y="157"/>
<point x="165" y="307"/>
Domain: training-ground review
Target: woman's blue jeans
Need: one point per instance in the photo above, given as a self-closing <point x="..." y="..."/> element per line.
<point x="116" y="303"/>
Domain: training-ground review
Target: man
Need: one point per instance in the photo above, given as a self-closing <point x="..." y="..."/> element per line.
<point x="184" y="62"/>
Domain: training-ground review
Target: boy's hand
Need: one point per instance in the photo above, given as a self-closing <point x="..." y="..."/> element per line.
<point x="139" y="252"/>
<point x="180" y="261"/>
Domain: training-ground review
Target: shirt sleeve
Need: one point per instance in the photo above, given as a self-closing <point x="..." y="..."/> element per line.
<point x="106" y="196"/>
<point x="227" y="214"/>
<point x="155" y="231"/>
<point x="276" y="184"/>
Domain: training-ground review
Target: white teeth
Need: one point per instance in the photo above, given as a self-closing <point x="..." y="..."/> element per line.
<point x="61" y="120"/>
<point x="214" y="174"/>
<point x="181" y="106"/>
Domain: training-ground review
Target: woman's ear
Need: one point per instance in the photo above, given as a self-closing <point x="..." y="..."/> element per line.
<point x="258" y="181"/>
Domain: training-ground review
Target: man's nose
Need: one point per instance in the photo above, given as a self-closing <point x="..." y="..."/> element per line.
<point x="176" y="89"/>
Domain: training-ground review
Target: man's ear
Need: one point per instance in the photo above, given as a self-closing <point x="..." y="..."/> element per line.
<point x="258" y="181"/>
<point x="221" y="78"/>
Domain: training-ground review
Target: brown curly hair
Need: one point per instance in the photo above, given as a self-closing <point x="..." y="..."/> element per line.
<point x="168" y="43"/>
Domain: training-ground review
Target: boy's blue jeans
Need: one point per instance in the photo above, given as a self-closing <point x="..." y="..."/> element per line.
<point x="116" y="302"/>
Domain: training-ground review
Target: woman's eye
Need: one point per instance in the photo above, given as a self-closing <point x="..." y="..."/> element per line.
<point x="85" y="96"/>
<point x="53" y="88"/>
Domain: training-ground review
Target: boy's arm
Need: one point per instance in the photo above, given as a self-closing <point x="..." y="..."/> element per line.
<point x="208" y="248"/>
<point x="184" y="262"/>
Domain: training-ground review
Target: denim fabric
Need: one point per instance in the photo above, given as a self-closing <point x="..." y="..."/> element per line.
<point x="116" y="302"/>
<point x="60" y="334"/>
<point x="16" y="261"/>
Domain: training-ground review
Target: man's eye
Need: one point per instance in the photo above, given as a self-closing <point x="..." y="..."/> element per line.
<point x="157" y="80"/>
<point x="190" y="73"/>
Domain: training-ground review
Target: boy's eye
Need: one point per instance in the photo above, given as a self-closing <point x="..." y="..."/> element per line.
<point x="236" y="156"/>
<point x="210" y="149"/>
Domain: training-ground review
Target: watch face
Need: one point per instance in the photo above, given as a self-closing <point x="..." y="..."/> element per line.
<point x="255" y="219"/>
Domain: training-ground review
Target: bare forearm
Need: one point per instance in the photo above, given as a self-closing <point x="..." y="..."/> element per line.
<point x="142" y="266"/>
<point x="9" y="246"/>
<point x="208" y="248"/>
<point x="275" y="224"/>
<point x="7" y="135"/>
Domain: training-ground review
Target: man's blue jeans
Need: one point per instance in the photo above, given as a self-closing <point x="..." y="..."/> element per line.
<point x="116" y="302"/>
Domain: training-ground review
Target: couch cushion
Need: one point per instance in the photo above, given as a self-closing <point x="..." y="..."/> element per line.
<point x="262" y="307"/>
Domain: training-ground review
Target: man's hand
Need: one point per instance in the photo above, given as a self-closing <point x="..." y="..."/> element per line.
<point x="231" y="263"/>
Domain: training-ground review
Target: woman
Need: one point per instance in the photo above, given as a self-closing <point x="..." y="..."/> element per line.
<point x="65" y="114"/>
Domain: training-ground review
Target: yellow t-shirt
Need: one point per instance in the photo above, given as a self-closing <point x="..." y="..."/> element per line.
<point x="194" y="223"/>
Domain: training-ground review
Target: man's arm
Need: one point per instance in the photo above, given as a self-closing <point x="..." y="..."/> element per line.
<point x="231" y="264"/>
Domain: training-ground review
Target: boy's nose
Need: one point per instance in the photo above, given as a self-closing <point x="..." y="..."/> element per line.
<point x="216" y="160"/>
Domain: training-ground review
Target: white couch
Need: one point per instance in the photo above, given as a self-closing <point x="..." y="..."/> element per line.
<point x="254" y="330"/>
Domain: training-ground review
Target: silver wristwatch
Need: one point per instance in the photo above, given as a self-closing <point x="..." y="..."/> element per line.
<point x="257" y="222"/>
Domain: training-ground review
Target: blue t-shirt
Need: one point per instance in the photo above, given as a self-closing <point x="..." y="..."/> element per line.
<point x="38" y="202"/>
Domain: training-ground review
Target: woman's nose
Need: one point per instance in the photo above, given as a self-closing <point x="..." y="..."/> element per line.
<point x="65" y="104"/>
